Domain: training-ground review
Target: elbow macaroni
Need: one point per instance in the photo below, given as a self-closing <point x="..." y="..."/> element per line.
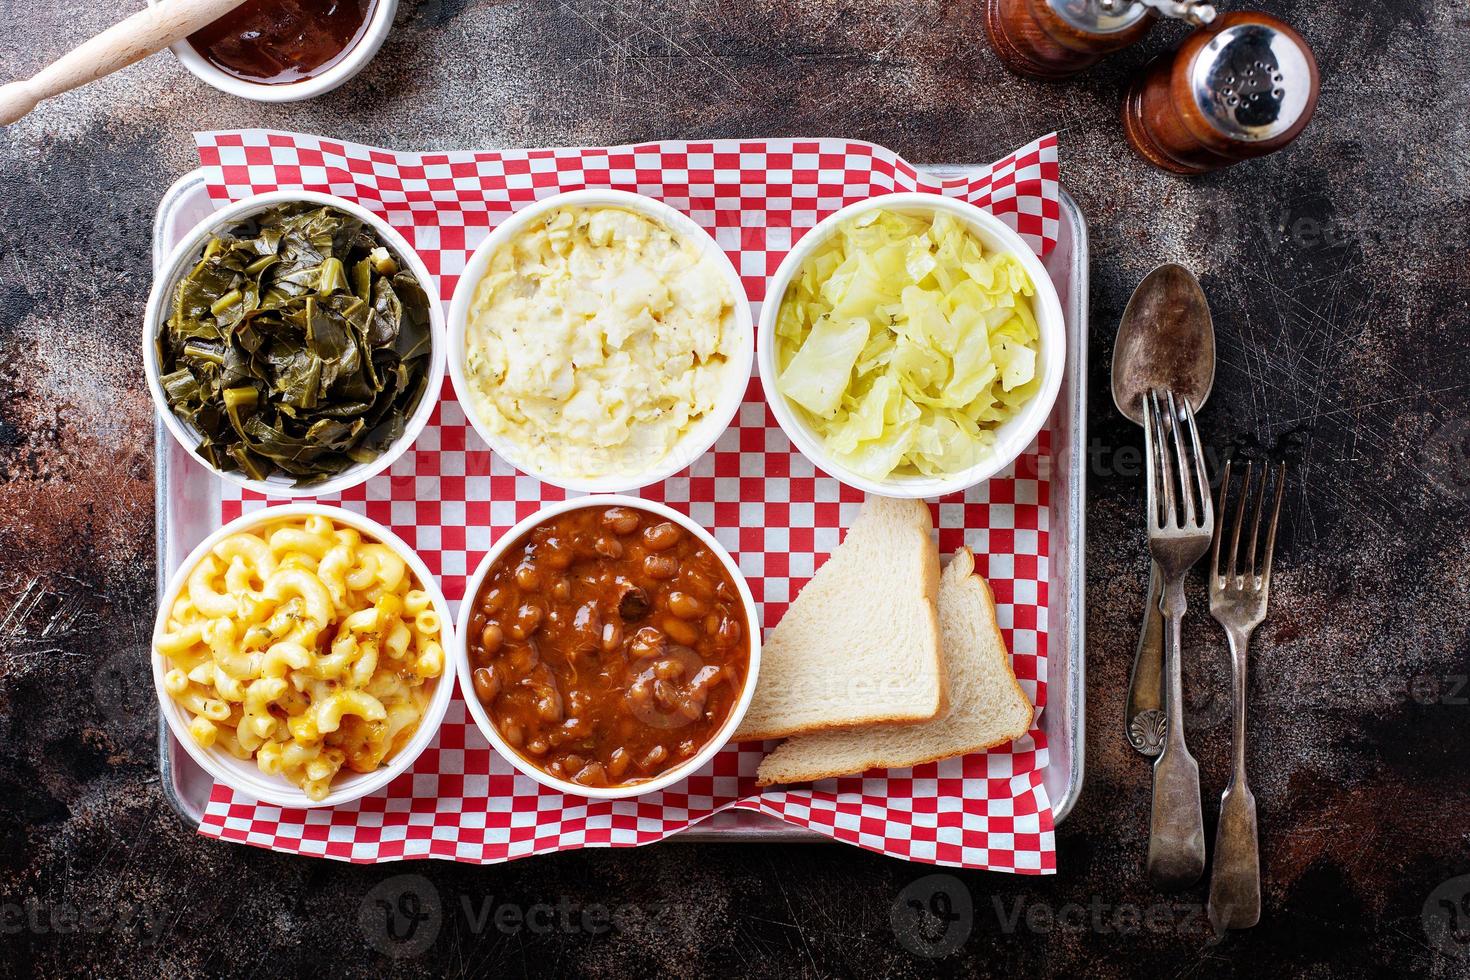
<point x="305" y="647"/>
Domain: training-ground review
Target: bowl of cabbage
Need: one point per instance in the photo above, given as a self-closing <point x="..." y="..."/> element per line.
<point x="911" y="345"/>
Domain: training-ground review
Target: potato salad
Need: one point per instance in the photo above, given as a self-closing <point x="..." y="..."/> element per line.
<point x="596" y="340"/>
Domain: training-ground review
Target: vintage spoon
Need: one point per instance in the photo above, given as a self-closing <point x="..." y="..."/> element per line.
<point x="148" y="31"/>
<point x="1166" y="340"/>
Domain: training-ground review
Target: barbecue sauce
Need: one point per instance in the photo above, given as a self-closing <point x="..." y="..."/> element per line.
<point x="277" y="42"/>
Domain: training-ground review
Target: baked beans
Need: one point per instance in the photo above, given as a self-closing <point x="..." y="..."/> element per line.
<point x="609" y="645"/>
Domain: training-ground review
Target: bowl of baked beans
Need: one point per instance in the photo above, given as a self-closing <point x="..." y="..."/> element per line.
<point x="608" y="646"/>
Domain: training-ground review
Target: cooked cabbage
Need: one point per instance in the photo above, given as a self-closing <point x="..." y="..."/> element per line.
<point x="905" y="345"/>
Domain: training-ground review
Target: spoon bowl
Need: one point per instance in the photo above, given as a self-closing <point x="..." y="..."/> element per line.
<point x="1166" y="340"/>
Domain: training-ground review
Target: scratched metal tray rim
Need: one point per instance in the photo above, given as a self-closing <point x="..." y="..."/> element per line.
<point x="187" y="787"/>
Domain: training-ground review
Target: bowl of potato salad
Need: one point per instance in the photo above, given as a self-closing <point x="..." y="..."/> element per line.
<point x="600" y="341"/>
<point x="299" y="655"/>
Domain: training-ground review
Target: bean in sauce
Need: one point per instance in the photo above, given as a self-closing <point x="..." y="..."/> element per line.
<point x="609" y="645"/>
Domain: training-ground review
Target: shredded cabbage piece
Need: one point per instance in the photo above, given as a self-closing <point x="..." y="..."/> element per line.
<point x="904" y="344"/>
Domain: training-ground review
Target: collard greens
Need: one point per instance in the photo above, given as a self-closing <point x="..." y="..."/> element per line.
<point x="296" y="345"/>
<point x="905" y="345"/>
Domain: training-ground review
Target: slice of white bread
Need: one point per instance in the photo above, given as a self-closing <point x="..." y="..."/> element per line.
<point x="986" y="705"/>
<point x="860" y="645"/>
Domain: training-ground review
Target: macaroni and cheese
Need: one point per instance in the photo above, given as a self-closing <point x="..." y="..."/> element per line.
<point x="305" y="646"/>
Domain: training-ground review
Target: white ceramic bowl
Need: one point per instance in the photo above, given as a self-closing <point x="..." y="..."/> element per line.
<point x="694" y="442"/>
<point x="1012" y="437"/>
<point x="467" y="670"/>
<point x="243" y="775"/>
<point x="380" y="21"/>
<point x="183" y="257"/>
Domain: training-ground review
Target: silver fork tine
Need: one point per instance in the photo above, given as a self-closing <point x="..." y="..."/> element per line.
<point x="1271" y="532"/>
<point x="1164" y="475"/>
<point x="1215" y="568"/>
<point x="1245" y="495"/>
<point x="1202" y="483"/>
<point x="1185" y="490"/>
<point x="1150" y="445"/>
<point x="1260" y="495"/>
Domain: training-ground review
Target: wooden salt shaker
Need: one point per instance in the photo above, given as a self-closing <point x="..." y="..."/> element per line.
<point x="1058" y="38"/>
<point x="1243" y="87"/>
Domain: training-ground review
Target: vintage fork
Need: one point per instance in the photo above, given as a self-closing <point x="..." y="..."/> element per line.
<point x="1181" y="523"/>
<point x="1238" y="597"/>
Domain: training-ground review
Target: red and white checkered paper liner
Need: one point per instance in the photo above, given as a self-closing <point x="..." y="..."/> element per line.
<point x="449" y="498"/>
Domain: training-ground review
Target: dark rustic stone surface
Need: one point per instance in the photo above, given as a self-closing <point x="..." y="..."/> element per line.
<point x="1340" y="283"/>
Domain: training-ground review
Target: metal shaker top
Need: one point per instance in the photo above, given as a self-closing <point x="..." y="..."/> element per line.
<point x="1112" y="16"/>
<point x="1099" y="16"/>
<point x="1252" y="82"/>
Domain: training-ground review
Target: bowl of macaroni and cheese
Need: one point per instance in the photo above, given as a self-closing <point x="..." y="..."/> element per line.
<point x="600" y="341"/>
<point x="299" y="655"/>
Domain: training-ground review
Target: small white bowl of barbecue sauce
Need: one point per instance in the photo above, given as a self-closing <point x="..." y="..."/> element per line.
<point x="287" y="50"/>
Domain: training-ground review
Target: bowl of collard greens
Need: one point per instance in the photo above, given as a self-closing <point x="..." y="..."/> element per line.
<point x="294" y="343"/>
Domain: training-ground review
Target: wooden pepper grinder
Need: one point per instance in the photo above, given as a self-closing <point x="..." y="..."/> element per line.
<point x="1243" y="87"/>
<point x="1058" y="38"/>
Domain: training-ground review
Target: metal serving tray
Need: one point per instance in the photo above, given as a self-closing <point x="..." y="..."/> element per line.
<point x="187" y="511"/>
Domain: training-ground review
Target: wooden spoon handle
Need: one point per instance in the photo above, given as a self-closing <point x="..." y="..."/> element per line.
<point x="149" y="30"/>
